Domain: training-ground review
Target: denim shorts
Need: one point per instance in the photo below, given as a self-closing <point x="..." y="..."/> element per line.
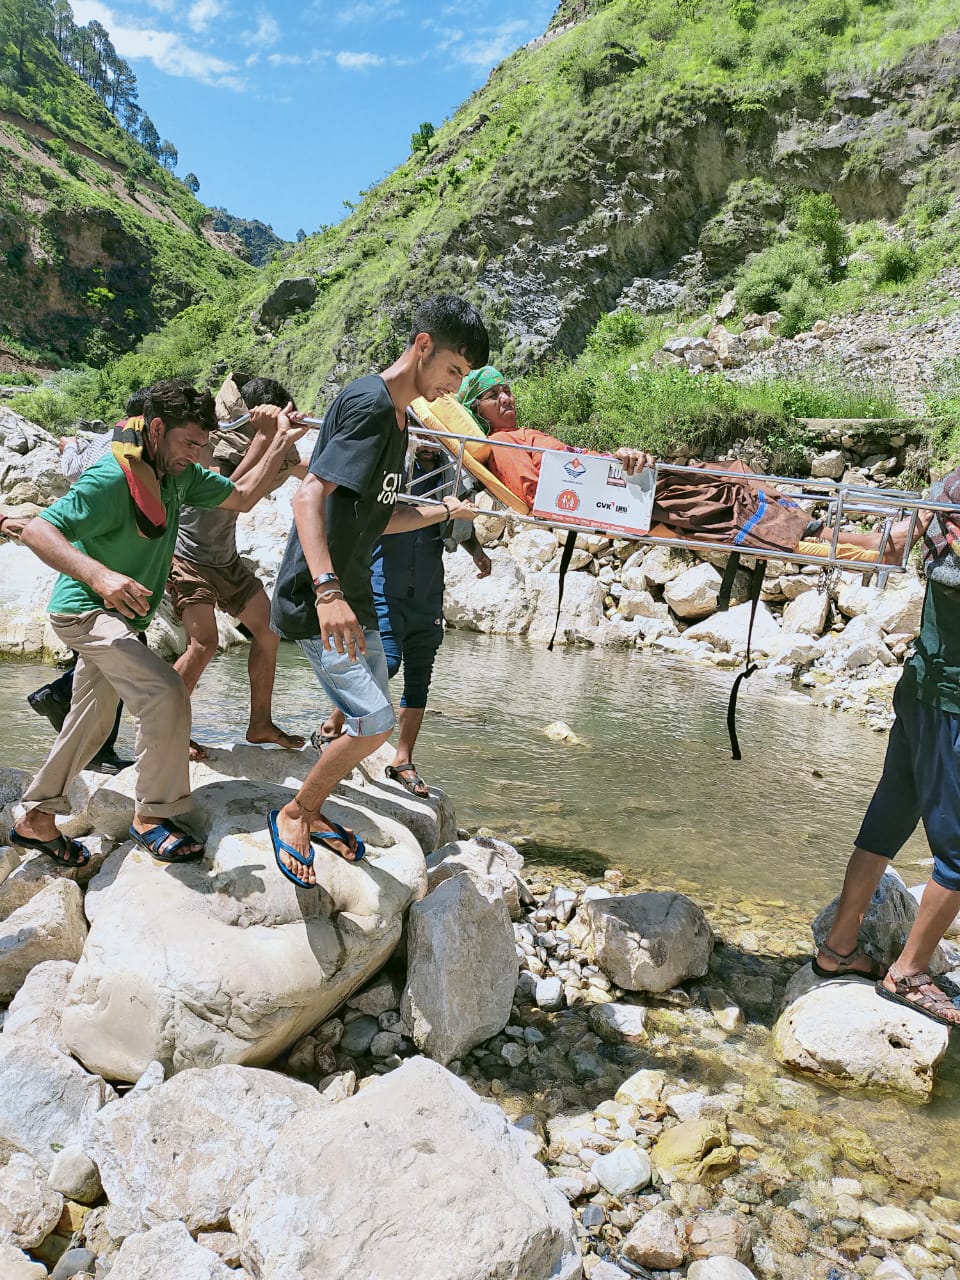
<point x="920" y="783"/>
<point x="361" y="689"/>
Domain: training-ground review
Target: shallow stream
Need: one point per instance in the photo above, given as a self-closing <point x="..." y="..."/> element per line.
<point x="761" y="844"/>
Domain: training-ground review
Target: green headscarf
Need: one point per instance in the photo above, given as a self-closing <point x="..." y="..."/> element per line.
<point x="474" y="385"/>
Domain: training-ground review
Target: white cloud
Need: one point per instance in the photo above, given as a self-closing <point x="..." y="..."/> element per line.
<point x="370" y="11"/>
<point x="358" y="61"/>
<point x="166" y="50"/>
<point x="203" y="12"/>
<point x="298" y="59"/>
<point x="266" y="32"/>
<point x="490" y="45"/>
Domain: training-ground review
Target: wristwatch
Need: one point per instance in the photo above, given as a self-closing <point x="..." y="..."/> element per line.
<point x="322" y="579"/>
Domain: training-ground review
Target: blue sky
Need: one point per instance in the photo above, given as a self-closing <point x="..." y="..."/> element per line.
<point x="283" y="112"/>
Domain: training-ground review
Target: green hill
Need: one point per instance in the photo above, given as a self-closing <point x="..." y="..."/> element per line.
<point x="99" y="242"/>
<point x="634" y="156"/>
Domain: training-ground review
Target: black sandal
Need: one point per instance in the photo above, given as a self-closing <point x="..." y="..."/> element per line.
<point x="69" y="853"/>
<point x="923" y="1003"/>
<point x="845" y="964"/>
<point x="415" y="784"/>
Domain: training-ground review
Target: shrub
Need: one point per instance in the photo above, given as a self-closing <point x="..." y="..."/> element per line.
<point x="769" y="276"/>
<point x="618" y="331"/>
<point x="745" y="13"/>
<point x="819" y="221"/>
<point x="828" y="16"/>
<point x="726" y="48"/>
<point x="895" y="263"/>
<point x="800" y="306"/>
<point x="773" y="46"/>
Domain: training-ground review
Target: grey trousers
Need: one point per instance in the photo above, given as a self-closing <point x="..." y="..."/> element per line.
<point x="114" y="666"/>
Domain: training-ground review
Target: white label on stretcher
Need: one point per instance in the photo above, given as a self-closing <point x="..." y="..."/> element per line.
<point x="594" y="493"/>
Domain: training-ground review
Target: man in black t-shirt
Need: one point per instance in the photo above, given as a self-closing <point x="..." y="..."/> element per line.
<point x="323" y="596"/>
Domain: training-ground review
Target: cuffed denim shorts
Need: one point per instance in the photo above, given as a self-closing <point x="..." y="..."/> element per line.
<point x="360" y="689"/>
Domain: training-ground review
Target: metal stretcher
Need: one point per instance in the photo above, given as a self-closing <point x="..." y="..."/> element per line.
<point x="836" y="502"/>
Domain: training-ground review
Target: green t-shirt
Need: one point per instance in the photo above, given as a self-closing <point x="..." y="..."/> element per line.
<point x="97" y="516"/>
<point x="933" y="670"/>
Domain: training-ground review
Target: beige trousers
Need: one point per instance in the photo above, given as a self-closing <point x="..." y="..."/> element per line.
<point x="114" y="666"/>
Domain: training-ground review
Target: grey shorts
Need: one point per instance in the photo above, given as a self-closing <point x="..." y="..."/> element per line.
<point x="361" y="689"/>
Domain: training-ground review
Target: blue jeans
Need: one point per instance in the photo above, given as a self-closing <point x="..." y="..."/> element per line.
<point x="361" y="689"/>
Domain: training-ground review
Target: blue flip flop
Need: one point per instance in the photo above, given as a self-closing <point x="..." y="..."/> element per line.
<point x="340" y="833"/>
<point x="281" y="846"/>
<point x="154" y="838"/>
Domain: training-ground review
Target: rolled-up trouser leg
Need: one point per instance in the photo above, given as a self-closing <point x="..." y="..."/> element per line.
<point x="154" y="694"/>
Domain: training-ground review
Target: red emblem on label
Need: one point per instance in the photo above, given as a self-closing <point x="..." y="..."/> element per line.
<point x="567" y="500"/>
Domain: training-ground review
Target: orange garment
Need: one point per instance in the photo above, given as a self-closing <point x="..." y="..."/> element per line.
<point x="516" y="468"/>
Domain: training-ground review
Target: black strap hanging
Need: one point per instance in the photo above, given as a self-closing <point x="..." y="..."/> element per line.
<point x="565" y="558"/>
<point x="730" y="572"/>
<point x="756" y="586"/>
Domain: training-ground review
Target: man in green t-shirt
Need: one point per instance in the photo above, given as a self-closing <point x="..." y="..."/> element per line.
<point x="920" y="782"/>
<point x="112" y="538"/>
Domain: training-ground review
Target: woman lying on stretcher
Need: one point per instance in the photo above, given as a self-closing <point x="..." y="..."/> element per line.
<point x="727" y="509"/>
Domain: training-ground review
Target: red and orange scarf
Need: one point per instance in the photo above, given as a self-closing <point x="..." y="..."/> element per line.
<point x="132" y="451"/>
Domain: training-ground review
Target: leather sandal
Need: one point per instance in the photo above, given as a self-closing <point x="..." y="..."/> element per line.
<point x="908" y="990"/>
<point x="847" y="965"/>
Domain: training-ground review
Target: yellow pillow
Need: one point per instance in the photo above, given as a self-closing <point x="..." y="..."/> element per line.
<point x="447" y="414"/>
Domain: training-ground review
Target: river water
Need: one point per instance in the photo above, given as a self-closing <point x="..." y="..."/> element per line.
<point x="652" y="789"/>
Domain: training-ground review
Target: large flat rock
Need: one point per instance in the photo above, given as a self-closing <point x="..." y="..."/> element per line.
<point x="226" y="960"/>
<point x="414" y="1178"/>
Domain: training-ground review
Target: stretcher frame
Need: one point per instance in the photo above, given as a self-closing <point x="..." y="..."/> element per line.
<point x="839" y="501"/>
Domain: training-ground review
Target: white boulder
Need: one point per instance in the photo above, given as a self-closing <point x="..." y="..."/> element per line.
<point x="581" y="611"/>
<point x="29" y="1208"/>
<point x="403" y="1167"/>
<point x="694" y="593"/>
<point x="461" y="967"/>
<point x="51" y="926"/>
<point x="645" y="941"/>
<point x="169" y="1250"/>
<point x="47" y="1100"/>
<point x="227" y="961"/>
<point x="727" y="631"/>
<point x="187" y="1148"/>
<point x="845" y="1034"/>
<point x="485" y="858"/>
<point x="499" y="604"/>
<point x="886" y="923"/>
<point x="25" y="587"/>
<point x="807" y="613"/>
<point x="36" y="1010"/>
<point x="15" y="1265"/>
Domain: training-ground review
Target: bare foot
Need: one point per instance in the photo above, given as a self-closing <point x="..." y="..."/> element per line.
<point x="197" y="752"/>
<point x="270" y="733"/>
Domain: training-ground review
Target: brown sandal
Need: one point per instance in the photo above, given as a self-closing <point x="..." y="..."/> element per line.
<point x="407" y="776"/>
<point x="941" y="1010"/>
<point x="846" y="965"/>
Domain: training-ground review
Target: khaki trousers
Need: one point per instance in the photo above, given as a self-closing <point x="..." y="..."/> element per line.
<point x="115" y="666"/>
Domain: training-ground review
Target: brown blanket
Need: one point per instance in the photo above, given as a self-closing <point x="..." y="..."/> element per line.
<point x="747" y="512"/>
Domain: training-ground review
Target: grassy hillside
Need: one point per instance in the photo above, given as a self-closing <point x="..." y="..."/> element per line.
<point x="635" y="155"/>
<point x="99" y="243"/>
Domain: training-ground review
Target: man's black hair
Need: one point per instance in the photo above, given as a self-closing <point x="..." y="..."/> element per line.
<point x="175" y="403"/>
<point x="257" y="391"/>
<point x="455" y="324"/>
<point x="136" y="402"/>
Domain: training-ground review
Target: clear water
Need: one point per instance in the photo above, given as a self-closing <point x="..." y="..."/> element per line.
<point x="652" y="789"/>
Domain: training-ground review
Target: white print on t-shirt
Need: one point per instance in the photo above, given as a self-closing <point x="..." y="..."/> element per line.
<point x="391" y="486"/>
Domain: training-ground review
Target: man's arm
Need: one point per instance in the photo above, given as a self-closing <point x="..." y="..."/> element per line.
<point x="118" y="592"/>
<point x="257" y="479"/>
<point x="340" y="628"/>
<point x="406" y="517"/>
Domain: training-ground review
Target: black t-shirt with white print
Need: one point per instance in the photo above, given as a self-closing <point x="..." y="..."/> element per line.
<point x="362" y="450"/>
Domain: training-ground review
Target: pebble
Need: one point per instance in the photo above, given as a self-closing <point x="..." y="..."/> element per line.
<point x="73" y="1263"/>
<point x="549" y="994"/>
<point x="719" y="1268"/>
<point x="623" y="1171"/>
<point x="513" y="1054"/>
<point x="890" y="1222"/>
<point x="358" y="1034"/>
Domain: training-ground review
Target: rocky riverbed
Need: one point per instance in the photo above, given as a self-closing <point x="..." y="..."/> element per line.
<point x="323" y="1082"/>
